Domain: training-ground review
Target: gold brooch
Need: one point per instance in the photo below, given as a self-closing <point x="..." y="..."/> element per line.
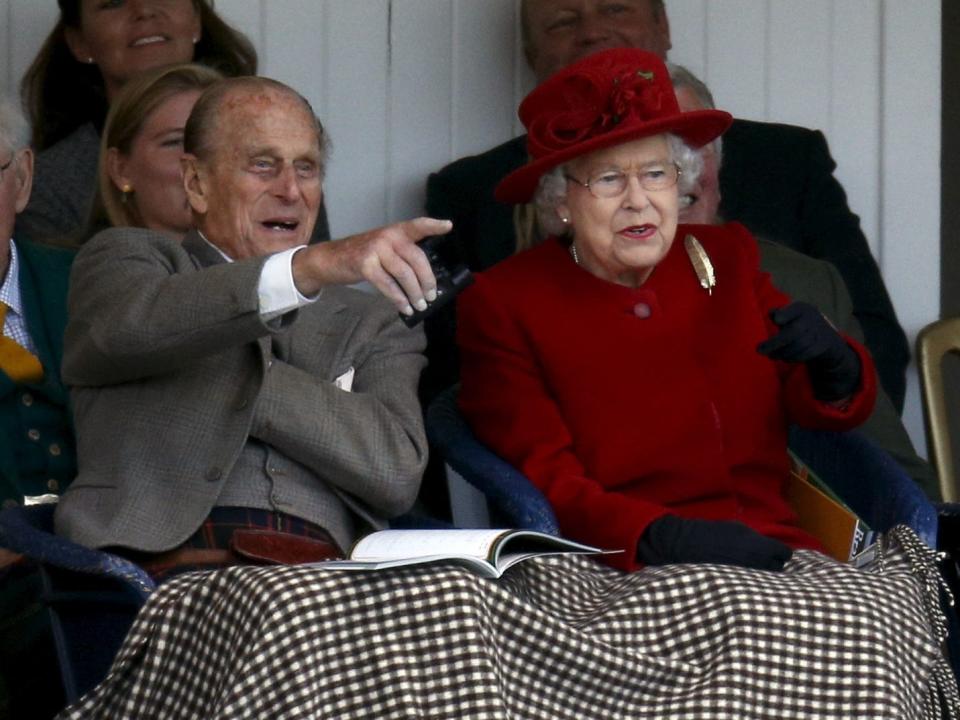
<point x="701" y="263"/>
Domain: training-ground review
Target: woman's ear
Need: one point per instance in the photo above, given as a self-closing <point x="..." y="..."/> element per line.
<point x="116" y="165"/>
<point x="78" y="45"/>
<point x="194" y="183"/>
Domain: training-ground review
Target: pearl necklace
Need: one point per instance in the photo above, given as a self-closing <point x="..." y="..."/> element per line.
<point x="573" y="253"/>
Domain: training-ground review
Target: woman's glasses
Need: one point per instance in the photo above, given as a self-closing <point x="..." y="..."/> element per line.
<point x="612" y="183"/>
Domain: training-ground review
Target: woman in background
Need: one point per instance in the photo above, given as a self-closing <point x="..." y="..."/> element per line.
<point x="92" y="51"/>
<point x="140" y="183"/>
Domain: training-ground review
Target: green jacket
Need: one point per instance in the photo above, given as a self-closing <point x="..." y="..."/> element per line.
<point x="37" y="454"/>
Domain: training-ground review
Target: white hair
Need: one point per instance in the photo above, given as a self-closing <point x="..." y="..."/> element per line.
<point x="552" y="189"/>
<point x="14" y="128"/>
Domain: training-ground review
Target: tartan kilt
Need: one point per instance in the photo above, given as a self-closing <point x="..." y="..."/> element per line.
<point x="558" y="637"/>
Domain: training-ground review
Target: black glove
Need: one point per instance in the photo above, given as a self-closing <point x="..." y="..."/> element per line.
<point x="671" y="539"/>
<point x="806" y="336"/>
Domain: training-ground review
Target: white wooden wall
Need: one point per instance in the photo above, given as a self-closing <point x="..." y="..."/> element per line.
<point x="404" y="86"/>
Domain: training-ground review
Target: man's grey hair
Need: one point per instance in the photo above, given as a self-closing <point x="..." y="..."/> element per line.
<point x="681" y="77"/>
<point x="552" y="189"/>
<point x="14" y="128"/>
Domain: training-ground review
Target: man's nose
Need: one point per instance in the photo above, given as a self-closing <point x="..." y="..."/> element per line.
<point x="593" y="30"/>
<point x="286" y="186"/>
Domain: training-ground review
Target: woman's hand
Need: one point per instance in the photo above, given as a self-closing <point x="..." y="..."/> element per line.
<point x="671" y="539"/>
<point x="806" y="336"/>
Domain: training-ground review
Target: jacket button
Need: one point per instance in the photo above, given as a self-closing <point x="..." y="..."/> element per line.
<point x="55" y="450"/>
<point x="53" y="485"/>
<point x="27" y="399"/>
<point x="213" y="474"/>
<point x="33" y="434"/>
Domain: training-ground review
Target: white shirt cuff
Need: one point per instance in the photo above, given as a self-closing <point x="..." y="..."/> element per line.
<point x="276" y="291"/>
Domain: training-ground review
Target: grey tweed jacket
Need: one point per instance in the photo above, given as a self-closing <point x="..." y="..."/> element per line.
<point x="173" y="371"/>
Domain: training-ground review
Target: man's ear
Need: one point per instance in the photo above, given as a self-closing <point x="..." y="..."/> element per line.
<point x="195" y="183"/>
<point x="78" y="45"/>
<point x="24" y="176"/>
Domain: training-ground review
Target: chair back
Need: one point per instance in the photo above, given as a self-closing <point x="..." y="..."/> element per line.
<point x="509" y="498"/>
<point x="868" y="481"/>
<point x="934" y="342"/>
<point x="91" y="596"/>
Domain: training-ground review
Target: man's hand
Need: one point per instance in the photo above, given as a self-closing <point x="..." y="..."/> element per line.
<point x="806" y="336"/>
<point x="387" y="258"/>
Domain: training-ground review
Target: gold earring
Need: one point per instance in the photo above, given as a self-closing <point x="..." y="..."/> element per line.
<point x="127" y="191"/>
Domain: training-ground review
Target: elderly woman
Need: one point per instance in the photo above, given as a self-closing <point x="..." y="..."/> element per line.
<point x="642" y="373"/>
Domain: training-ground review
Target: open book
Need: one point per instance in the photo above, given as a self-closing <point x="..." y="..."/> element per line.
<point x="486" y="552"/>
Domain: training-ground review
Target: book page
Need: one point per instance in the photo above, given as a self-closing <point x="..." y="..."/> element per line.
<point x="399" y="544"/>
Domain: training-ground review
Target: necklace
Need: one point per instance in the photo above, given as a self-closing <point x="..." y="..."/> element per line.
<point x="573" y="253"/>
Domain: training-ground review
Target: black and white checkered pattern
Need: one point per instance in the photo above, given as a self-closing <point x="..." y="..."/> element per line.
<point x="555" y="638"/>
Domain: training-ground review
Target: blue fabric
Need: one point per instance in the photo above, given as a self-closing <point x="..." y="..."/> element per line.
<point x="512" y="497"/>
<point x="29" y="531"/>
<point x="867" y="479"/>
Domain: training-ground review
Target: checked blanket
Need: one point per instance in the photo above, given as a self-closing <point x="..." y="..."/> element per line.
<point x="560" y="637"/>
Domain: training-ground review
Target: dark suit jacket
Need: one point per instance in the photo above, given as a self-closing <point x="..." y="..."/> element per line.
<point x="172" y="369"/>
<point x="44" y="272"/>
<point x="775" y="179"/>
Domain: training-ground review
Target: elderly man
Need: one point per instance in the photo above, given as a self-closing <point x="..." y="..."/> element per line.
<point x="777" y="179"/>
<point x="37" y="449"/>
<point x="37" y="455"/>
<point x="232" y="380"/>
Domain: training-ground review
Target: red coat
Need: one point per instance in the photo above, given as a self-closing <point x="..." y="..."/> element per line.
<point x="618" y="419"/>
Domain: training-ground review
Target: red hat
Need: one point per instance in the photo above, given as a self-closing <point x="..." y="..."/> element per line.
<point x="605" y="99"/>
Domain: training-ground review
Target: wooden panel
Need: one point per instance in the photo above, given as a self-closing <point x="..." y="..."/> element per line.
<point x="909" y="251"/>
<point x="30" y="23"/>
<point x="736" y="56"/>
<point x="854" y="131"/>
<point x="418" y="107"/>
<point x="7" y="77"/>
<point x="799" y="62"/>
<point x="294" y="39"/>
<point x="356" y="98"/>
<point x="247" y="17"/>
<point x="688" y="34"/>
<point x="482" y="104"/>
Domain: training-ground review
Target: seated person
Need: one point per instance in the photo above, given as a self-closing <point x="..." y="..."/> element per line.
<point x="778" y="179"/>
<point x="140" y="182"/>
<point x="625" y="378"/>
<point x="85" y="61"/>
<point x="37" y="458"/>
<point x="799" y="276"/>
<point x="252" y="388"/>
